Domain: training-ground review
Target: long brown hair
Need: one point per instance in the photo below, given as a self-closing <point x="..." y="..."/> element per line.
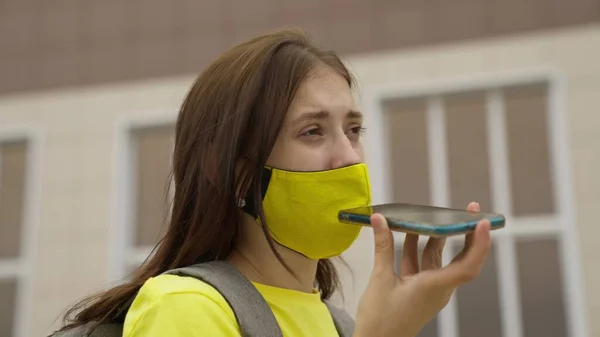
<point x="233" y="113"/>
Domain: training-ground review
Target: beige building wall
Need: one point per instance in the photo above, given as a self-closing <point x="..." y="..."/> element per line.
<point x="569" y="52"/>
<point x="77" y="217"/>
<point x="78" y="183"/>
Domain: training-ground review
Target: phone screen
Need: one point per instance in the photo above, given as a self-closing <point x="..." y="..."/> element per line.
<point x="422" y="219"/>
<point x="428" y="214"/>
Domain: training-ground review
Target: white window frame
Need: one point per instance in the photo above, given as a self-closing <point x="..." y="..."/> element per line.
<point x="23" y="267"/>
<point x="123" y="252"/>
<point x="565" y="231"/>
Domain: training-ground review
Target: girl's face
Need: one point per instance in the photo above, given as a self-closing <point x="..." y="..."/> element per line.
<point x="322" y="127"/>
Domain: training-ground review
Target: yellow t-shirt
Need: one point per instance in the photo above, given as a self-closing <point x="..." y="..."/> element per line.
<point x="173" y="306"/>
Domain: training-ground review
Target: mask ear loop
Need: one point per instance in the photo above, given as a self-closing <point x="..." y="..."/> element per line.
<point x="247" y="204"/>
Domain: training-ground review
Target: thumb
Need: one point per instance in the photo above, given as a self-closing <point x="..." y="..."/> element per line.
<point x="384" y="245"/>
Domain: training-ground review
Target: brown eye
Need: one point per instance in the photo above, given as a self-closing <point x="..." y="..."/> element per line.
<point x="313" y="132"/>
<point x="358" y="129"/>
<point x="354" y="133"/>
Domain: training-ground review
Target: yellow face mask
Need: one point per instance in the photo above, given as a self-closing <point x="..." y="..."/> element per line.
<point x="301" y="208"/>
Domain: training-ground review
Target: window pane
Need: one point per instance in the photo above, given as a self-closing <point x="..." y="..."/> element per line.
<point x="468" y="165"/>
<point x="526" y="121"/>
<point x="431" y="329"/>
<point x="478" y="302"/>
<point x="8" y="295"/>
<point x="406" y="131"/>
<point x="541" y="288"/>
<point x="12" y="193"/>
<point x="154" y="150"/>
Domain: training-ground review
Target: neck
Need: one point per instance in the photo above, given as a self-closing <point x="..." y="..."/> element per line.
<point x="254" y="258"/>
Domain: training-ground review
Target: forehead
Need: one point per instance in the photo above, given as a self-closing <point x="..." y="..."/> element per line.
<point x="323" y="90"/>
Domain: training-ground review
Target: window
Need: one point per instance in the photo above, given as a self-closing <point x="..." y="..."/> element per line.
<point x="497" y="142"/>
<point x="144" y="205"/>
<point x="15" y="262"/>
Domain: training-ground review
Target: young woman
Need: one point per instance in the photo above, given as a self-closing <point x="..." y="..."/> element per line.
<point x="267" y="151"/>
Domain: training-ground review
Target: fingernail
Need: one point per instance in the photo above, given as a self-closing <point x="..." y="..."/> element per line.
<point x="485" y="223"/>
<point x="378" y="223"/>
<point x="375" y="224"/>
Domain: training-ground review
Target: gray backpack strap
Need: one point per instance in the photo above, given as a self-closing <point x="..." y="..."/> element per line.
<point x="107" y="330"/>
<point x="253" y="314"/>
<point x="344" y="324"/>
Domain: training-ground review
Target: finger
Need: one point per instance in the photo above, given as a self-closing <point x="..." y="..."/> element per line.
<point x="432" y="254"/>
<point x="467" y="244"/>
<point x="469" y="239"/>
<point x="473" y="207"/>
<point x="459" y="256"/>
<point x="468" y="267"/>
<point x="384" y="245"/>
<point x="409" y="265"/>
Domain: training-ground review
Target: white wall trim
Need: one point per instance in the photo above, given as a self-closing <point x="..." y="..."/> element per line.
<point x="475" y="81"/>
<point x="121" y="230"/>
<point x="560" y="164"/>
<point x="24" y="266"/>
<point x="508" y="279"/>
<point x="524" y="233"/>
<point x="563" y="225"/>
<point x="137" y="256"/>
<point x="11" y="268"/>
<point x="440" y="194"/>
<point x="438" y="157"/>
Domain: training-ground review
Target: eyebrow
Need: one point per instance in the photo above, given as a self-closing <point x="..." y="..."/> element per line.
<point x="320" y="115"/>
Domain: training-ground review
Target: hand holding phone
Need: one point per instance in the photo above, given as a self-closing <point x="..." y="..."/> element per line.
<point x="401" y="305"/>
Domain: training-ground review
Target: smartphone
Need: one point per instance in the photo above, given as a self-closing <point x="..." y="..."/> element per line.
<point x="421" y="219"/>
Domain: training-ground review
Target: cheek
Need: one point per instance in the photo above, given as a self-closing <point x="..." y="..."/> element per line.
<point x="296" y="157"/>
<point x="304" y="159"/>
<point x="277" y="155"/>
<point x="360" y="152"/>
<point x="284" y="154"/>
<point x="311" y="160"/>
